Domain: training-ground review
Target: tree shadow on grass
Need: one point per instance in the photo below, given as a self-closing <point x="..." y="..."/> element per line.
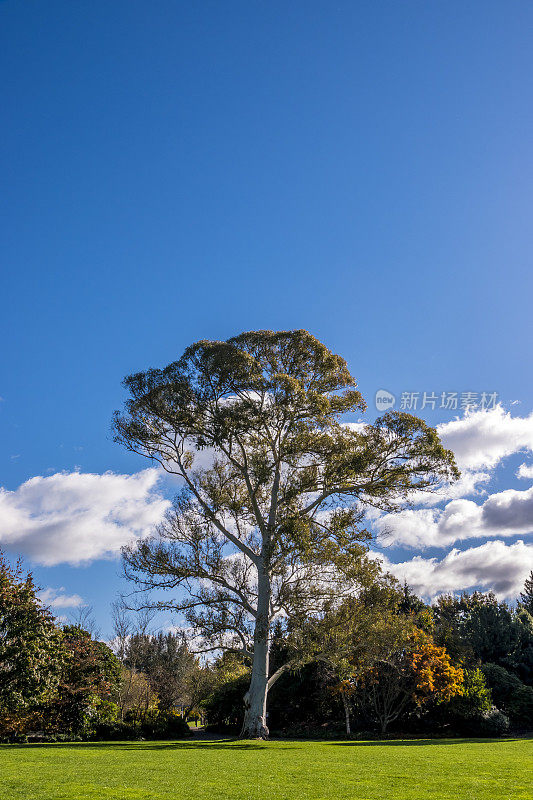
<point x="234" y="743"/>
<point x="422" y="742"/>
<point x="204" y="744"/>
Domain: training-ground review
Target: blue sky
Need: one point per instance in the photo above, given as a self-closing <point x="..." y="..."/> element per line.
<point x="174" y="171"/>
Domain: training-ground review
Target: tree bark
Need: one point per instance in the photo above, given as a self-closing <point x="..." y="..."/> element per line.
<point x="255" y="725"/>
<point x="346" y="713"/>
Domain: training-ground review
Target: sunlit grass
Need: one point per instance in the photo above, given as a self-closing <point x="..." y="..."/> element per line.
<point x="449" y="769"/>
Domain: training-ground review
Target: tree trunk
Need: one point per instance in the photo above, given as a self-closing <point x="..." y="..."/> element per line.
<point x="254" y="725"/>
<point x="346" y="714"/>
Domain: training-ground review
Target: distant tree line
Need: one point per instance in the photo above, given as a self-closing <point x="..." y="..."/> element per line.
<point x="462" y="666"/>
<point x="379" y="663"/>
<point x="59" y="682"/>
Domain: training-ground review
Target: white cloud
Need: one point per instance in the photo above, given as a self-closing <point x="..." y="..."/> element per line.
<point x="525" y="471"/>
<point x="413" y="528"/>
<point x="510" y="510"/>
<point x="481" y="439"/>
<point x="493" y="565"/>
<point x="78" y="517"/>
<point x="469" y="483"/>
<point x="357" y="427"/>
<point x="507" y="513"/>
<point x="56" y="599"/>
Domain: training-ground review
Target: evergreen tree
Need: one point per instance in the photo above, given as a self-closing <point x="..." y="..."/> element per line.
<point x="30" y="643"/>
<point x="90" y="674"/>
<point x="526" y="597"/>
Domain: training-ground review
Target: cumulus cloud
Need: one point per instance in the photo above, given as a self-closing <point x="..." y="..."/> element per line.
<point x="525" y="471"/>
<point x="481" y="439"/>
<point x="507" y="513"/>
<point x="510" y="510"/>
<point x="55" y="598"/>
<point x="494" y="565"/>
<point x="469" y="483"/>
<point x="78" y="517"/>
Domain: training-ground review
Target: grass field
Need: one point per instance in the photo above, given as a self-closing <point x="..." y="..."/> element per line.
<point x="451" y="769"/>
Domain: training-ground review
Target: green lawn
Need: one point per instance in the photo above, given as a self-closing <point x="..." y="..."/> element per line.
<point x="450" y="769"/>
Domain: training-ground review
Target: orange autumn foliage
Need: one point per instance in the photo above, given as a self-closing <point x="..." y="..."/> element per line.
<point x="435" y="676"/>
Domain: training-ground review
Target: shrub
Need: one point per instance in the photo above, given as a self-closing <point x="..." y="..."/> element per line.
<point x="115" y="731"/>
<point x="164" y="725"/>
<point x="225" y="706"/>
<point x="154" y="725"/>
<point x="494" y="723"/>
<point x="510" y="694"/>
<point x="466" y="713"/>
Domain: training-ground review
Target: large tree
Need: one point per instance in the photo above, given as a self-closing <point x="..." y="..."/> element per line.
<point x="274" y="486"/>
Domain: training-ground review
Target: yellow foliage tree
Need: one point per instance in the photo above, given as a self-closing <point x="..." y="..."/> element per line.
<point x="417" y="672"/>
<point x="434" y="674"/>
